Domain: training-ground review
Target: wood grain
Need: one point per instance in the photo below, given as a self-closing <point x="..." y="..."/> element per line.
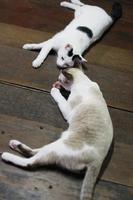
<point x="29" y="104"/>
<point x="47" y="184"/>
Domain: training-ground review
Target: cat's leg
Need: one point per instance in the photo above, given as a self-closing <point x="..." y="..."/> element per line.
<point x="17" y="160"/>
<point x="22" y="148"/>
<point x="76" y="7"/>
<point x="69" y="5"/>
<point x="53" y="153"/>
<point x="77" y="2"/>
<point x="34" y="46"/>
<point x="61" y="101"/>
<point x="47" y="155"/>
<point x="47" y="46"/>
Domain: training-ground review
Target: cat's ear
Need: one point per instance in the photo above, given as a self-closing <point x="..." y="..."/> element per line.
<point x="83" y="59"/>
<point x="79" y="58"/>
<point x="79" y="62"/>
<point x="68" y="76"/>
<point x="69" y="48"/>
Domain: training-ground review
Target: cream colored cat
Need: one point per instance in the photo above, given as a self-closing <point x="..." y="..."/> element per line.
<point x="87" y="140"/>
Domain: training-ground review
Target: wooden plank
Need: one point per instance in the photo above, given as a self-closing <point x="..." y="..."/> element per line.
<point x="17" y="36"/>
<point x="123" y="148"/>
<point x="52" y="185"/>
<point x="33" y="133"/>
<point x="120" y="164"/>
<point x="115" y="85"/>
<point x="120" y="35"/>
<point x="31" y="105"/>
<point x="39" y="107"/>
<point x="36" y="185"/>
<point x="17" y="69"/>
<point x="111" y="57"/>
<point x="44" y="9"/>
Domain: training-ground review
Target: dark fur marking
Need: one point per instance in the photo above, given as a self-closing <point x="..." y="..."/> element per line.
<point x="85" y="30"/>
<point x="76" y="57"/>
<point x="116" y="11"/>
<point x="78" y="62"/>
<point x="70" y="53"/>
<point x="24" y="151"/>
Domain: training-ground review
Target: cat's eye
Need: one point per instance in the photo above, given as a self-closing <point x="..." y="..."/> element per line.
<point x="62" y="58"/>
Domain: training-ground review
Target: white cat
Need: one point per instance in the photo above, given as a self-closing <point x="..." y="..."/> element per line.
<point x="85" y="144"/>
<point x="88" y="25"/>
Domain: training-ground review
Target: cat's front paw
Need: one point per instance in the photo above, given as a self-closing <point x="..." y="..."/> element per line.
<point x="55" y="92"/>
<point x="36" y="63"/>
<point x="27" y="46"/>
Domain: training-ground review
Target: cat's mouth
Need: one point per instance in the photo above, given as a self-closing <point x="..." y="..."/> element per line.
<point x="63" y="66"/>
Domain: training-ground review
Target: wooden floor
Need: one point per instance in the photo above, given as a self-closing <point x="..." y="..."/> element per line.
<point x="28" y="113"/>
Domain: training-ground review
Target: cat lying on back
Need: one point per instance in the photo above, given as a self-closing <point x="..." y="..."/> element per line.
<point x="88" y="25"/>
<point x="85" y="144"/>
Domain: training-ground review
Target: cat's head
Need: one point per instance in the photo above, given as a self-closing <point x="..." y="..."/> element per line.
<point x="66" y="78"/>
<point x="66" y="57"/>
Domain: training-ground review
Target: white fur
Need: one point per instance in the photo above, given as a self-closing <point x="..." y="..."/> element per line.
<point x="93" y="17"/>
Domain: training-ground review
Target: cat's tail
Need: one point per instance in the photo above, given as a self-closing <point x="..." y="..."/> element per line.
<point x="89" y="181"/>
<point x="116" y="12"/>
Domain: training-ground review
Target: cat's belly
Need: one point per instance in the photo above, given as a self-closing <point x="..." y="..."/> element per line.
<point x="98" y="22"/>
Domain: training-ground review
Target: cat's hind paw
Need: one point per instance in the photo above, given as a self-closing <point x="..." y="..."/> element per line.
<point x="6" y="156"/>
<point x="14" y="144"/>
<point x="64" y="3"/>
<point x="77" y="2"/>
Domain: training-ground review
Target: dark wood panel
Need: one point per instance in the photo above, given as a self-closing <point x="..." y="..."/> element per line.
<point x="120" y="165"/>
<point x="17" y="36"/>
<point x="115" y="85"/>
<point x="31" y="7"/>
<point x="42" y="13"/>
<point x="17" y="69"/>
<point x="32" y="133"/>
<point x="28" y="104"/>
<point x="38" y="185"/>
<point x="120" y="35"/>
<point x="111" y="58"/>
<point x="45" y="184"/>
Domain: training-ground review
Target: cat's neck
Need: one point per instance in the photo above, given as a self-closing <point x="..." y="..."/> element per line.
<point x="81" y="83"/>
